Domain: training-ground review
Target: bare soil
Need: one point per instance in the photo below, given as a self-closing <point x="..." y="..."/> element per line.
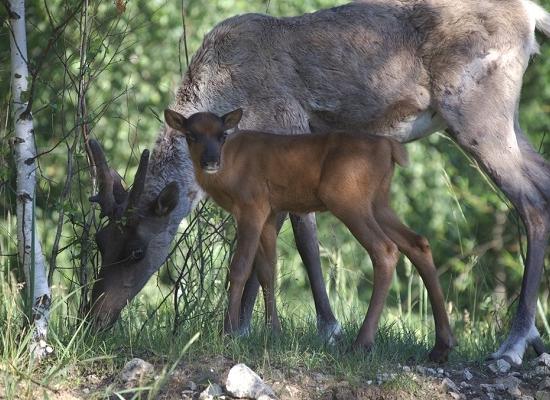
<point x="432" y="382"/>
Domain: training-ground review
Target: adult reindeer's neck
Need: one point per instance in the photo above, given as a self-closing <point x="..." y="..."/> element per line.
<point x="170" y="162"/>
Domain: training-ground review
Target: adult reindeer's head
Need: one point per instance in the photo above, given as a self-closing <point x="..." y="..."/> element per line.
<point x="134" y="221"/>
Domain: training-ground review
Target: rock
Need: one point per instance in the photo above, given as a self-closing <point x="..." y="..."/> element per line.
<point x="449" y="386"/>
<point x="213" y="391"/>
<point x="243" y="382"/>
<point x="468" y="375"/>
<point x="542" y="395"/>
<point x="500" y="367"/>
<point x="465" y="385"/>
<point x="406" y="369"/>
<point x="543" y="359"/>
<point x="503" y="366"/>
<point x="510" y="384"/>
<point x="136" y="371"/>
<point x="191" y="386"/>
<point x="544" y="384"/>
<point x="431" y="371"/>
<point x="93" y="379"/>
<point x="384" y="377"/>
<point x="528" y="375"/>
<point x="457" y="396"/>
<point x="515" y="392"/>
<point x="541" y="370"/>
<point x="440" y="371"/>
<point x="420" y="369"/>
<point x="487" y="387"/>
<point x="317" y="377"/>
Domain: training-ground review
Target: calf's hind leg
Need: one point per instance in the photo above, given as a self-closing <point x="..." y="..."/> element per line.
<point x="417" y="249"/>
<point x="384" y="255"/>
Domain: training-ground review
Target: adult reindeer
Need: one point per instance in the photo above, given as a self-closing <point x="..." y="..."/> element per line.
<point x="404" y="69"/>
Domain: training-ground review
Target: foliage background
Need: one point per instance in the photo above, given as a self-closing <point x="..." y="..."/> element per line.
<point x="133" y="63"/>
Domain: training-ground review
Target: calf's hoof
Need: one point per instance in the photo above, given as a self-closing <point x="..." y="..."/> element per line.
<point x="439" y="355"/>
<point x="441" y="350"/>
<point x="361" y="348"/>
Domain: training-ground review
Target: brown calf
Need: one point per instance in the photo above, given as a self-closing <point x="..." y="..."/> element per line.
<point x="256" y="175"/>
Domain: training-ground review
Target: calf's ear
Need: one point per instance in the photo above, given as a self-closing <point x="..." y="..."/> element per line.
<point x="175" y="121"/>
<point x="231" y="119"/>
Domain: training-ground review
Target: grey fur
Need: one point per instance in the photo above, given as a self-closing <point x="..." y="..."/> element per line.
<point x="390" y="67"/>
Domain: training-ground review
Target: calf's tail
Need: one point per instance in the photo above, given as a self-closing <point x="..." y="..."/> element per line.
<point x="398" y="153"/>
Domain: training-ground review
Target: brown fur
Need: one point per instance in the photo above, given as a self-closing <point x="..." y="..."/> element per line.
<point x="260" y="175"/>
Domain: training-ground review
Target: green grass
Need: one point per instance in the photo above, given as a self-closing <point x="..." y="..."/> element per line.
<point x="146" y="329"/>
<point x="79" y="353"/>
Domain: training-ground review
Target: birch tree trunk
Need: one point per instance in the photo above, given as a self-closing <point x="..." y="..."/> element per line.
<point x="29" y="249"/>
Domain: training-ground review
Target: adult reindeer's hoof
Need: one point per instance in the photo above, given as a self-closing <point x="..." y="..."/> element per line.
<point x="331" y="333"/>
<point x="513" y="349"/>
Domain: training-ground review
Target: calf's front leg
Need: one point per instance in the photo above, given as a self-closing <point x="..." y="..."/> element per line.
<point x="249" y="228"/>
<point x="253" y="284"/>
<point x="265" y="271"/>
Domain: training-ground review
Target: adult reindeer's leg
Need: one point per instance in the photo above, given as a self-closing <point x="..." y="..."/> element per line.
<point x="252" y="286"/>
<point x="305" y="234"/>
<point x="248" y="300"/>
<point x="533" y="206"/>
<point x="483" y="120"/>
<point x="417" y="249"/>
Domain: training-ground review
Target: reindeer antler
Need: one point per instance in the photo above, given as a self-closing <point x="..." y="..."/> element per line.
<point x="137" y="188"/>
<point x="113" y="199"/>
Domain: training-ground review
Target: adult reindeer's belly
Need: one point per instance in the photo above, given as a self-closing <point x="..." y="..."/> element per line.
<point x="385" y="104"/>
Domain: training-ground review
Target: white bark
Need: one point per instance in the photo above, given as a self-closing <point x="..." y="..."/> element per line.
<point x="33" y="261"/>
